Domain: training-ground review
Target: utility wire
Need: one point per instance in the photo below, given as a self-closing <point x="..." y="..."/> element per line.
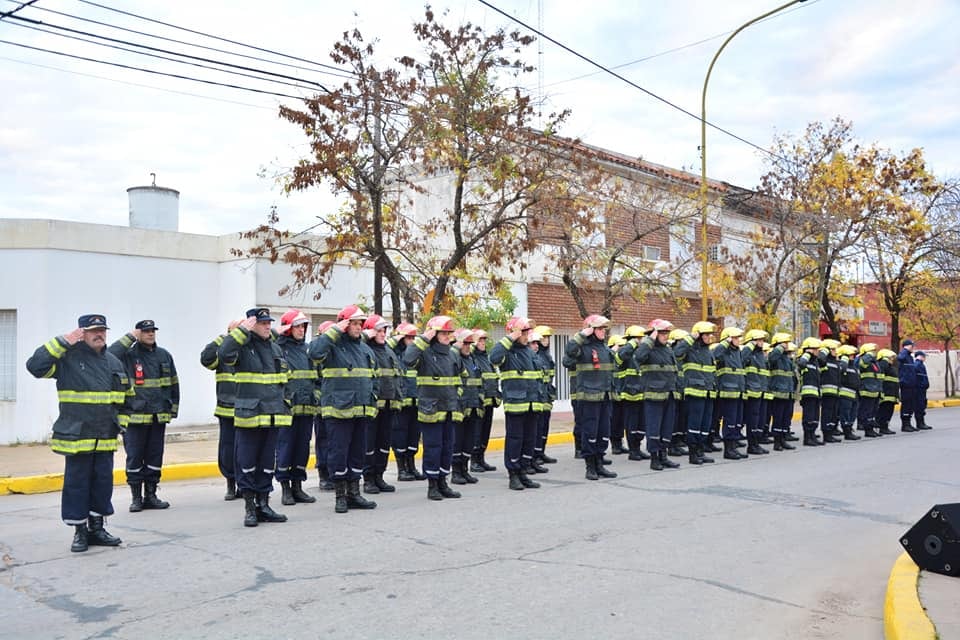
<point x="152" y="71"/>
<point x="23" y="5"/>
<point x="622" y="78"/>
<point x="167" y="51"/>
<point x="209" y="35"/>
<point x="344" y="73"/>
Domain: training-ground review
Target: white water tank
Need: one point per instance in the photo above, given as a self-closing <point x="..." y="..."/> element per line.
<point x="154" y="207"/>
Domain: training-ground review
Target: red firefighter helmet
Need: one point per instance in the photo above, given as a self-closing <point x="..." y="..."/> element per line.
<point x="351" y="312"/>
<point x="406" y="329"/>
<point x="517" y="323"/>
<point x="479" y="333"/>
<point x="661" y="325"/>
<point x="290" y="319"/>
<point x="440" y="323"/>
<point x="596" y="321"/>
<point x="464" y="336"/>
<point x="326" y="324"/>
<point x="375" y="322"/>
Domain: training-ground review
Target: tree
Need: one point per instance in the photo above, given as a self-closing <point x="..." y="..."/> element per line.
<point x="935" y="315"/>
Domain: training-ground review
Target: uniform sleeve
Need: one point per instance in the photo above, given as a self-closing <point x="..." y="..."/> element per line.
<point x="229" y="352"/>
<point x="209" y="357"/>
<point x="623" y="355"/>
<point x="642" y="354"/>
<point x="43" y="362"/>
<point x="174" y="388"/>
<point x="321" y="346"/>
<point x="411" y="357"/>
<point x="498" y="354"/>
<point x="121" y="346"/>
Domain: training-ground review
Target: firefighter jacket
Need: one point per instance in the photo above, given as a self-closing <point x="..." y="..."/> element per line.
<point x="439" y="380"/>
<point x="870" y="381"/>
<point x="658" y="369"/>
<point x="472" y="398"/>
<point x="808" y="368"/>
<point x="520" y="375"/>
<point x="91" y="388"/>
<point x="156" y="388"/>
<point x="594" y="365"/>
<point x="226" y="385"/>
<point x="923" y="380"/>
<point x="302" y="377"/>
<point x="349" y="369"/>
<point x="261" y="374"/>
<point x="408" y="375"/>
<point x="699" y="379"/>
<point x="782" y="374"/>
<point x="907" y="369"/>
<point x="849" y="378"/>
<point x="890" y="387"/>
<point x="549" y="366"/>
<point x="491" y="379"/>
<point x="756" y="375"/>
<point x="830" y="374"/>
<point x="628" y="375"/>
<point x="392" y="376"/>
<point x="731" y="377"/>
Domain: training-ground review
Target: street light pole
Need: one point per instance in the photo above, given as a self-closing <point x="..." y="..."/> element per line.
<point x="705" y="257"/>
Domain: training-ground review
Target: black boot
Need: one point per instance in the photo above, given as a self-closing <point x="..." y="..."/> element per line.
<point x="754" y="447"/>
<point x="848" y="433"/>
<point x="693" y="456"/>
<point x="382" y="484"/>
<point x="765" y="439"/>
<point x="710" y="447"/>
<point x="870" y="432"/>
<point x="790" y="437"/>
<point x="433" y="490"/>
<point x="676" y="442"/>
<point x="483" y="462"/>
<point x="404" y="472"/>
<point x="340" y="506"/>
<point x="703" y="458"/>
<point x="136" y="490"/>
<point x="296" y="488"/>
<point x="354" y="499"/>
<point x="885" y="429"/>
<point x="97" y="536"/>
<point x="150" y="499"/>
<point x="465" y="470"/>
<point x="605" y="473"/>
<point x="265" y="512"/>
<point x="412" y="466"/>
<point x="809" y="440"/>
<point x="515" y="483"/>
<point x="655" y="462"/>
<point x="445" y="489"/>
<point x="475" y="465"/>
<point x="286" y="498"/>
<point x="616" y="447"/>
<point x="829" y="435"/>
<point x="667" y="462"/>
<point x="80" y="534"/>
<point x="545" y="459"/>
<point x="777" y="442"/>
<point x="604" y="460"/>
<point x="325" y="484"/>
<point x="905" y="425"/>
<point x="537" y="467"/>
<point x="637" y="454"/>
<point x="369" y="486"/>
<point x="591" y="466"/>
<point x="577" y="450"/>
<point x="231" y="493"/>
<point x="922" y="424"/>
<point x="527" y="482"/>
<point x="456" y="477"/>
<point x="250" y="509"/>
<point x="730" y="451"/>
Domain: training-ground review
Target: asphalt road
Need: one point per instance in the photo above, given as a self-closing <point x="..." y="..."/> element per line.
<point x="788" y="545"/>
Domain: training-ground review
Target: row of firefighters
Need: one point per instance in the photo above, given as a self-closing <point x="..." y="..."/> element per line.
<point x="361" y="388"/>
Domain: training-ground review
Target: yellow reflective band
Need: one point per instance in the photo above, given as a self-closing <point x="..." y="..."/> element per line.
<point x="247" y="377"/>
<point x="358" y="411"/>
<point x="490" y="375"/>
<point x="86" y="445"/>
<point x="305" y="409"/>
<point x="729" y="394"/>
<point x="511" y="374"/>
<point x="54" y="348"/>
<point x="693" y="366"/>
<point x="90" y="397"/>
<point x="410" y="373"/>
<point x="389" y="373"/>
<point x="439" y="381"/>
<point x="421" y="343"/>
<point x="302" y="374"/>
<point x="695" y="393"/>
<point x="602" y="366"/>
<point x="474" y="382"/>
<point x="225" y="377"/>
<point x="223" y="412"/>
<point x="340" y="372"/>
<point x="50" y="372"/>
<point x="264" y="420"/>
<point x="391" y="404"/>
<point x="648" y="368"/>
<point x="782" y="373"/>
<point x="155" y="383"/>
<point x="238" y="335"/>
<point x="147" y="418"/>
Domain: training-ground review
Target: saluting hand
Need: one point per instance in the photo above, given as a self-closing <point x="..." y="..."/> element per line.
<point x="343" y="325"/>
<point x="586" y="332"/>
<point x="429" y="333"/>
<point x="73" y="337"/>
<point x="136" y="334"/>
<point x="249" y="323"/>
<point x="515" y="335"/>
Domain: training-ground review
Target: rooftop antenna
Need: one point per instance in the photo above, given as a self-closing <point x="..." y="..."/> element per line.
<point x="154" y="177"/>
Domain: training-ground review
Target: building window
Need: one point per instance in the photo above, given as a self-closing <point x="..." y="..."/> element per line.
<point x="651" y="253"/>
<point x="8" y="354"/>
<point x="713" y="253"/>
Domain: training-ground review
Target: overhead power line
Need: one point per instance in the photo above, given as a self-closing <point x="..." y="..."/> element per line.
<point x="23" y="5"/>
<point x="621" y="78"/>
<point x="342" y="73"/>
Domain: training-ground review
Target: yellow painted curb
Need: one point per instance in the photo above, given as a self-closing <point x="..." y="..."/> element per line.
<point x="187" y="471"/>
<point x="951" y="402"/>
<point x="903" y="616"/>
<point x="935" y="404"/>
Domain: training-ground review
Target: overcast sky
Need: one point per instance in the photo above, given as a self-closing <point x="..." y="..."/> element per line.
<point x="71" y="144"/>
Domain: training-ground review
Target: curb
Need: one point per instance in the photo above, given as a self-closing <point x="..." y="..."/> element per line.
<point x="904" y="617"/>
<point x="189" y="471"/>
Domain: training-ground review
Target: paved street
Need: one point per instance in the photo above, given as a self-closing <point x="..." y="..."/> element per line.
<point x="789" y="545"/>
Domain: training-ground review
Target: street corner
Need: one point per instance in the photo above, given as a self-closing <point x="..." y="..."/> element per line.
<point x="904" y="617"/>
<point x="31" y="484"/>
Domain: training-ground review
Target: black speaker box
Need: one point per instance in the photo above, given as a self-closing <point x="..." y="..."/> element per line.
<point x="934" y="542"/>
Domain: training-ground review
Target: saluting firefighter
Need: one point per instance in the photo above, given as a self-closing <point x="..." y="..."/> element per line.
<point x="406" y="434"/>
<point x="319" y="424"/>
<point x="756" y="380"/>
<point x="889" y="390"/>
<point x="907" y="373"/>
<point x="617" y="423"/>
<point x="631" y="393"/>
<point x="549" y="366"/>
<point x="699" y="380"/>
<point x="226" y="396"/>
<point x="781" y="389"/>
<point x="808" y="368"/>
<point x="849" y="390"/>
<point x="293" y="443"/>
<point x="731" y="384"/>
<point x="92" y="384"/>
<point x="679" y="437"/>
<point x="260" y="410"/>
<point x="658" y="378"/>
<point x="348" y="401"/>
<point x="154" y="402"/>
<point x="534" y="466"/>
<point x="830" y="374"/>
<point x="381" y="429"/>
<point x="923" y="383"/>
<point x="871" y="385"/>
<point x="520" y="378"/>
<point x="471" y="401"/>
<point x="439" y="386"/>
<point x="491" y="399"/>
<point x="593" y="360"/>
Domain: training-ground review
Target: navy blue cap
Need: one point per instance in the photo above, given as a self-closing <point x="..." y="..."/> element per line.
<point x="146" y="325"/>
<point x="919" y="353"/>
<point x="92" y="321"/>
<point x="906" y="343"/>
<point x="262" y="314"/>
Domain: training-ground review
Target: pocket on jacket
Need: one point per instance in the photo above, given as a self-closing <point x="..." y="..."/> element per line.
<point x="427" y="405"/>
